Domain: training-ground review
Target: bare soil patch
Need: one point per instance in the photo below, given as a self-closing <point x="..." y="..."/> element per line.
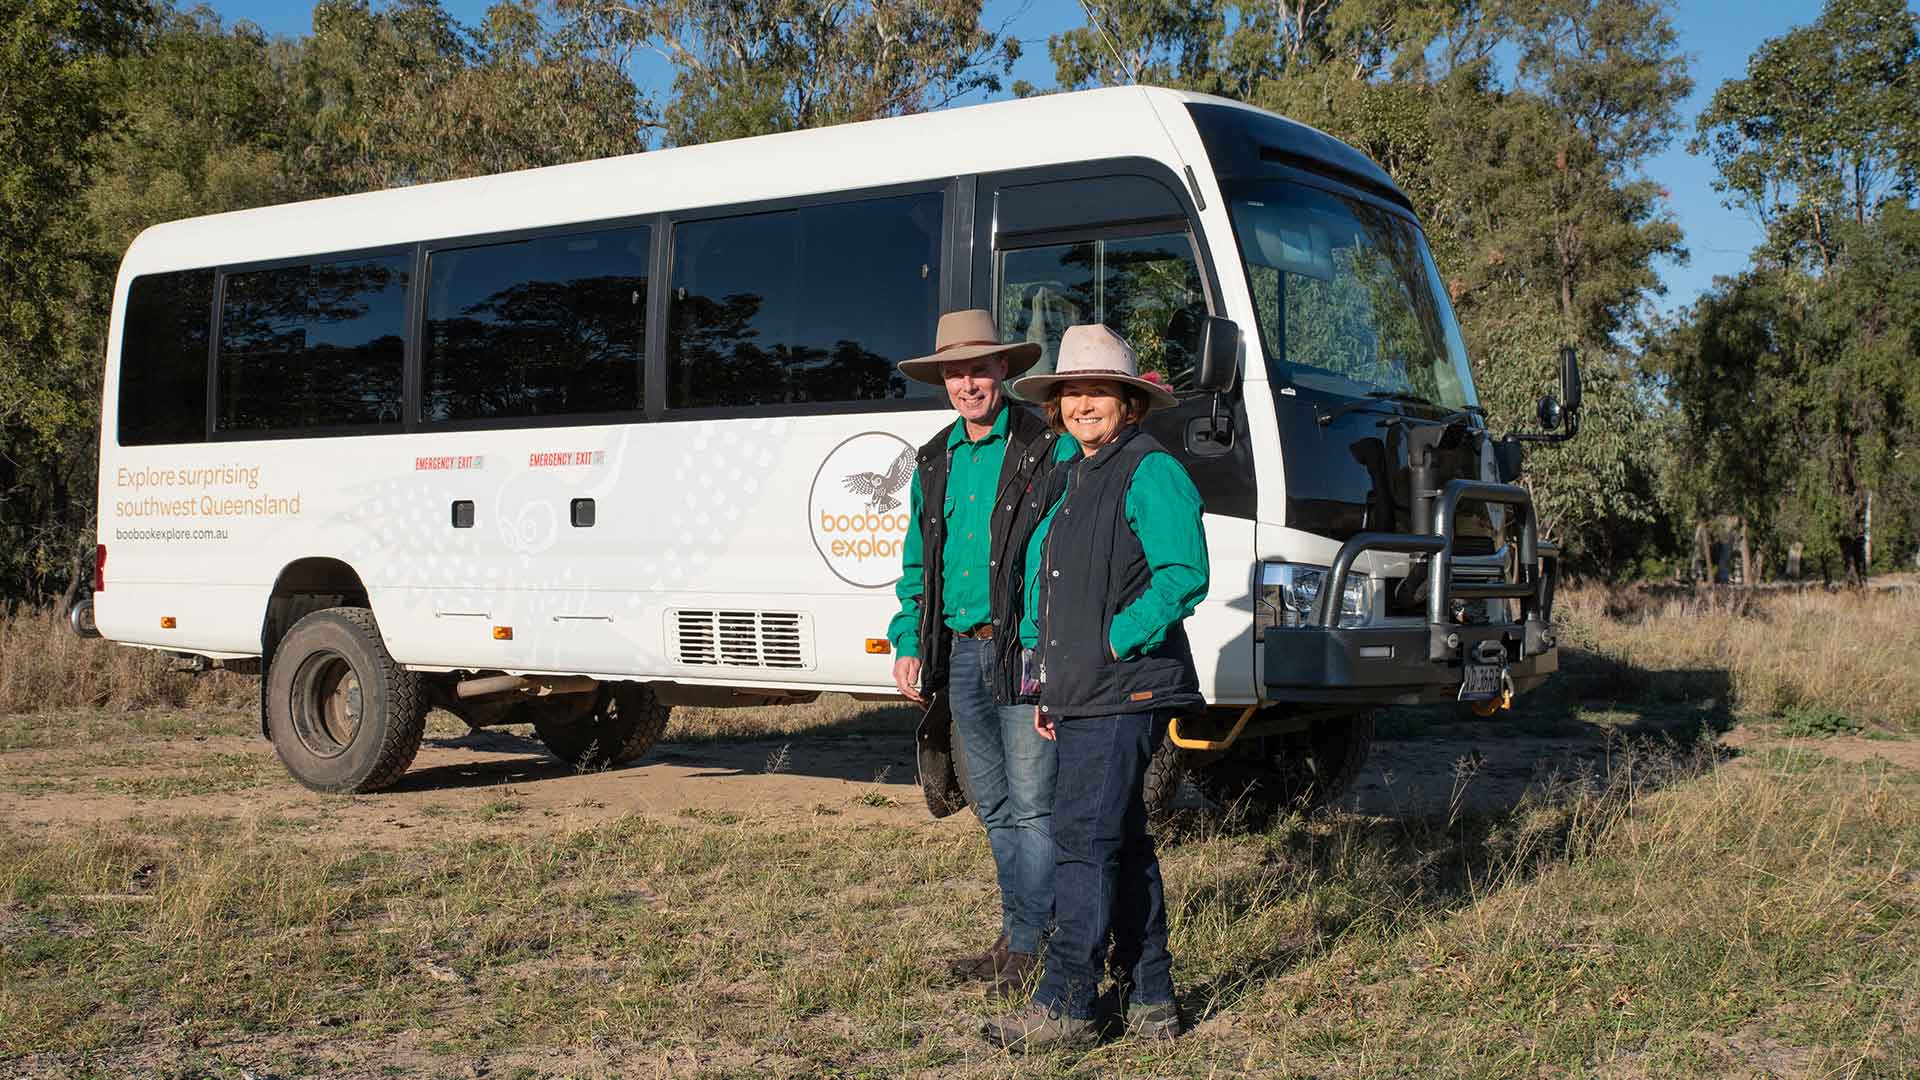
<point x="495" y="781"/>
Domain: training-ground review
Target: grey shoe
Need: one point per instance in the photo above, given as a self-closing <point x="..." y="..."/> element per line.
<point x="1153" y="1021"/>
<point x="1038" y="1028"/>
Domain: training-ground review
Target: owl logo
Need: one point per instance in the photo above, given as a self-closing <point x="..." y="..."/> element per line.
<point x="879" y="489"/>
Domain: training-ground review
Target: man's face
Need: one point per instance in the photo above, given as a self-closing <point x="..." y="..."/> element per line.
<point x="974" y="386"/>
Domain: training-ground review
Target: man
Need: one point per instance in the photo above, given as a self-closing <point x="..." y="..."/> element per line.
<point x="957" y="618"/>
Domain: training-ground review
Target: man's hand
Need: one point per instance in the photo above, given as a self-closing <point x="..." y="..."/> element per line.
<point x="1042" y="724"/>
<point x="906" y="678"/>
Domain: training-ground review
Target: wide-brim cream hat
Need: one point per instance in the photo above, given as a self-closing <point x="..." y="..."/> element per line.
<point x="1092" y="351"/>
<point x="968" y="335"/>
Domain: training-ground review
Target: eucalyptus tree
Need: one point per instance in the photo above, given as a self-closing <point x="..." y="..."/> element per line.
<point x="1807" y="360"/>
<point x="749" y="67"/>
<point x="1823" y="129"/>
<point x="56" y="57"/>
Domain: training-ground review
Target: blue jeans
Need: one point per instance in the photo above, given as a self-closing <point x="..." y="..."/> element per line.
<point x="1107" y="875"/>
<point x="1011" y="770"/>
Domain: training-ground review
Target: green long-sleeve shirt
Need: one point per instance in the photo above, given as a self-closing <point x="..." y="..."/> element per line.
<point x="973" y="479"/>
<point x="1164" y="510"/>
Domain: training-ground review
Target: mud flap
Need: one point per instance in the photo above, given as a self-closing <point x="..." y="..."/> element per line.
<point x="939" y="781"/>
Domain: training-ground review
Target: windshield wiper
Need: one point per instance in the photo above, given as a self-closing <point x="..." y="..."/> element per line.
<point x="1402" y="395"/>
<point x="1373" y="396"/>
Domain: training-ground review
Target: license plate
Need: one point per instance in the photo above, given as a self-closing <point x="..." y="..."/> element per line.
<point x="1482" y="682"/>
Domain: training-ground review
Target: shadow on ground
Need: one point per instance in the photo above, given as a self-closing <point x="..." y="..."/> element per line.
<point x="860" y="749"/>
<point x="1451" y="805"/>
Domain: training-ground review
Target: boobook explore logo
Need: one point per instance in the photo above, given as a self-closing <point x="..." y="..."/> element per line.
<point x="860" y="506"/>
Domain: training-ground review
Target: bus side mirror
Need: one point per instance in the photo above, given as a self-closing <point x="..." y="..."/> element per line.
<point x="1219" y="359"/>
<point x="1561" y="419"/>
<point x="1569" y="378"/>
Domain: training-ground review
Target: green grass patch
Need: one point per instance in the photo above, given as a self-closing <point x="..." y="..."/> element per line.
<point x="1811" y="723"/>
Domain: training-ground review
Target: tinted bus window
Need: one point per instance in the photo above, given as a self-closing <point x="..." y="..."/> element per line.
<point x="1146" y="288"/>
<point x="164" y="337"/>
<point x="313" y="346"/>
<point x="808" y="305"/>
<point x="540" y="327"/>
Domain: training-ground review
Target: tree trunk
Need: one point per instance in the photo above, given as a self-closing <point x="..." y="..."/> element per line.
<point x="1853" y="554"/>
<point x="1748" y="576"/>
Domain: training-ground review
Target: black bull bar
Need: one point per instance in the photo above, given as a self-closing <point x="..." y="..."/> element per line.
<point x="1324" y="662"/>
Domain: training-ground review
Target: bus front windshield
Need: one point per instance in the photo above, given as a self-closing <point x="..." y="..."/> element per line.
<point x="1347" y="296"/>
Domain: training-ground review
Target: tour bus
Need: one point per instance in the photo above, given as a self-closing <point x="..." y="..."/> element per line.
<point x="574" y="445"/>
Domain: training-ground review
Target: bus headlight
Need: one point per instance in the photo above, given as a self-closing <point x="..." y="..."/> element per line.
<point x="1288" y="592"/>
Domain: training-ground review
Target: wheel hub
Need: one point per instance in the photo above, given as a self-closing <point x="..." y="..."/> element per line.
<point x="328" y="704"/>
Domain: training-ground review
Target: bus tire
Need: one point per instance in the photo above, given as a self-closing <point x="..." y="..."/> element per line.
<point x="624" y="723"/>
<point x="343" y="716"/>
<point x="933" y="760"/>
<point x="961" y="777"/>
<point x="1166" y="771"/>
<point x="1304" y="771"/>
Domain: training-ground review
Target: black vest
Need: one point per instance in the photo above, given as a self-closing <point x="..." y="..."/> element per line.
<point x="1092" y="567"/>
<point x="1029" y="454"/>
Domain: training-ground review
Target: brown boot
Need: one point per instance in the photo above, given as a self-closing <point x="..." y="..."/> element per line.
<point x="981" y="966"/>
<point x="1015" y="977"/>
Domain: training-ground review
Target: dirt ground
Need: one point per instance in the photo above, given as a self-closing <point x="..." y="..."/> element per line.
<point x="1436" y="769"/>
<point x="456" y="777"/>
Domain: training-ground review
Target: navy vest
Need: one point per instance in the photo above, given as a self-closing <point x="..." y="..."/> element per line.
<point x="1092" y="567"/>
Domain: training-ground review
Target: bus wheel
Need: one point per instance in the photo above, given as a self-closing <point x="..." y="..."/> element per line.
<point x="1166" y="771"/>
<point x="342" y="715"/>
<point x="1303" y="771"/>
<point x="962" y="779"/>
<point x="623" y="724"/>
<point x="937" y="760"/>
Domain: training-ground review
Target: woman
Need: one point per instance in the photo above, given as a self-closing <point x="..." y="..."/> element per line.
<point x="1117" y="560"/>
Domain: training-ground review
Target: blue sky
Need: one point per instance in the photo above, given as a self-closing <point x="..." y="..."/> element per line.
<point x="1717" y="35"/>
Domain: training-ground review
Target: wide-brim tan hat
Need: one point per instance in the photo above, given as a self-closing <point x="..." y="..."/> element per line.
<point x="1092" y="351"/>
<point x="968" y="335"/>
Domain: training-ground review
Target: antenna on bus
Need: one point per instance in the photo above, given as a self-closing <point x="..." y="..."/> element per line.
<point x="1099" y="23"/>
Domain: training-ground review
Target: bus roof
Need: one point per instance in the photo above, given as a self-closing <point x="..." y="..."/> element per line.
<point x="1050" y="129"/>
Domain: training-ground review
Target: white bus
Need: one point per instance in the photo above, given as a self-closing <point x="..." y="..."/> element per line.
<point x="577" y="444"/>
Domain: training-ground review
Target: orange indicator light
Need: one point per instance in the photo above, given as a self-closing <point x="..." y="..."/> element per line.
<point x="167" y="622"/>
<point x="503" y="633"/>
<point x="878" y="645"/>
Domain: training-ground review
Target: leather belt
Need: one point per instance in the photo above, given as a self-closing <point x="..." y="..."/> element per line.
<point x="983" y="632"/>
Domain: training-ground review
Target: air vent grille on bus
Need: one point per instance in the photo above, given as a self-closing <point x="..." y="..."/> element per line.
<point x="759" y="639"/>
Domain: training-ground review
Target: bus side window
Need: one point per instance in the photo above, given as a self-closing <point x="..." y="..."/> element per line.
<point x="549" y="326"/>
<point x="1146" y="288"/>
<point x="813" y="304"/>
<point x="313" y="346"/>
<point x="163" y="358"/>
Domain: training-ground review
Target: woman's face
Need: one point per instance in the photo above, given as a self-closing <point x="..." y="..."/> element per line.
<point x="1094" y="411"/>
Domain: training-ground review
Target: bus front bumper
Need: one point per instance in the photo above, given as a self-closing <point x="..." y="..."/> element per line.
<point x="1375" y="665"/>
<point x="1416" y="662"/>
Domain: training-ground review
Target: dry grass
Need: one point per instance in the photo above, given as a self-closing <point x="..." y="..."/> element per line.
<point x="1675" y="917"/>
<point x="1776" y="652"/>
<point x="1664" y="912"/>
<point x="45" y="666"/>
